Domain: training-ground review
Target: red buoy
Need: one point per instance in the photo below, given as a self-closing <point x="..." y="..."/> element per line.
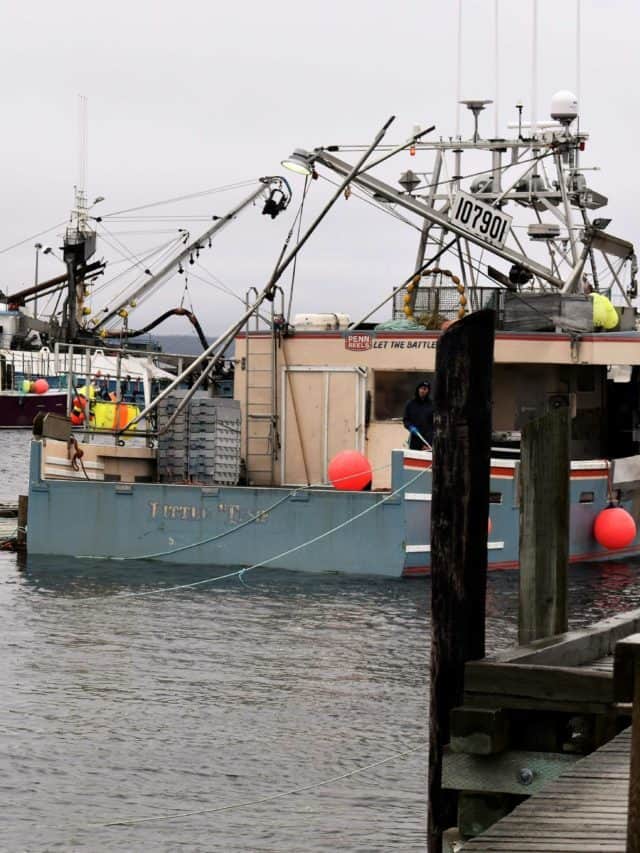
<point x="350" y="471"/>
<point x="614" y="528"/>
<point x="41" y="386"/>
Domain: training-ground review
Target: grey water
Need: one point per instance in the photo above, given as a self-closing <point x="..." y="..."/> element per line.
<point x="128" y="722"/>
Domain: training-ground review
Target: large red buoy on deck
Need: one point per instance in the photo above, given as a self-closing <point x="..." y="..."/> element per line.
<point x="41" y="386"/>
<point x="350" y="471"/>
<point x="614" y="528"/>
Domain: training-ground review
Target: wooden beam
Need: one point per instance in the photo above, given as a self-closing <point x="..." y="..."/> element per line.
<point x="539" y="682"/>
<point x="576" y="648"/>
<point x="544" y="525"/>
<point x="478" y="731"/>
<point x="459" y="514"/>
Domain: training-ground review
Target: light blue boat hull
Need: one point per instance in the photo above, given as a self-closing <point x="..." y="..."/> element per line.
<point x="358" y="533"/>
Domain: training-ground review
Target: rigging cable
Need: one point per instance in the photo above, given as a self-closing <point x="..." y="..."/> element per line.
<point x="32" y="237"/>
<point x="307" y="183"/>
<point x="213" y="191"/>
<point x="266" y="799"/>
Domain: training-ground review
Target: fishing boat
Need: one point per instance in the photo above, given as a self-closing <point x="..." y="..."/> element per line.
<point x="46" y="356"/>
<point x="504" y="223"/>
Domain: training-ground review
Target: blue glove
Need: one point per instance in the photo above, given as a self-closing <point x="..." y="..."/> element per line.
<point x="413" y="430"/>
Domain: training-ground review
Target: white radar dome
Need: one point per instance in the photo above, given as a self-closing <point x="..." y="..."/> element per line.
<point x="564" y="106"/>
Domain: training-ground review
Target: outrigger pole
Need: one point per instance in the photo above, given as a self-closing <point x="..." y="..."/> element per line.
<point x="186" y="253"/>
<point x="266" y="293"/>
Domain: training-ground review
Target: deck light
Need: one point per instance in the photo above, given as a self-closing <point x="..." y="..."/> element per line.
<point x="299" y="162"/>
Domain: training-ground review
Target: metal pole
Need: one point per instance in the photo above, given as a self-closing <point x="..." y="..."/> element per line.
<point x="185" y="253"/>
<point x="459" y="69"/>
<point x="38" y="246"/>
<point x="496" y="79"/>
<point x="534" y="68"/>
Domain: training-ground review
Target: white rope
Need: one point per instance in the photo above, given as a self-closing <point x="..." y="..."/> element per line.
<point x="262" y="563"/>
<point x="266" y="799"/>
<point x="260" y="514"/>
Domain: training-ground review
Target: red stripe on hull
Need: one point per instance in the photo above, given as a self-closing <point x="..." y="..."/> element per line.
<point x="423" y="571"/>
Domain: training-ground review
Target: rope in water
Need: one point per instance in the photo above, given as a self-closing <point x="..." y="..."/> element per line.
<point x="240" y="572"/>
<point x="260" y="514"/>
<point x="266" y="799"/>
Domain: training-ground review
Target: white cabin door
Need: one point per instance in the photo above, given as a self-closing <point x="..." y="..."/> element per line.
<point x="322" y="413"/>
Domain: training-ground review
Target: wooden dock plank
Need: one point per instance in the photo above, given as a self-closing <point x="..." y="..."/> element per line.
<point x="584" y="810"/>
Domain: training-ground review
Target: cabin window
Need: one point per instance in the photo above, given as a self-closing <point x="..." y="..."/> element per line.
<point x="495" y="497"/>
<point x="587" y="497"/>
<point x="392" y="389"/>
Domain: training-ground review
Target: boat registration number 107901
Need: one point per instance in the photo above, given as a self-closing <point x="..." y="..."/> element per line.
<point x="479" y="218"/>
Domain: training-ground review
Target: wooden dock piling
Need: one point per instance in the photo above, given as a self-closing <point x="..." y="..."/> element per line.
<point x="459" y="516"/>
<point x="21" y="535"/>
<point x="543" y="484"/>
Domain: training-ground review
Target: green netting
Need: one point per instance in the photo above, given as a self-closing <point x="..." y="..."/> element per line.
<point x="402" y="325"/>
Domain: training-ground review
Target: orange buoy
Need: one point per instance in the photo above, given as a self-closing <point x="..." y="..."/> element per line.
<point x="614" y="528"/>
<point x="350" y="471"/>
<point x="41" y="386"/>
<point x="489" y="526"/>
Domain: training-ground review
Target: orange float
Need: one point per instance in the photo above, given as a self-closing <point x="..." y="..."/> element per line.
<point x="614" y="528"/>
<point x="350" y="470"/>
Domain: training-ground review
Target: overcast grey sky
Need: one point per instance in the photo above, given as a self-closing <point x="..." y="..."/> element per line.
<point x="187" y="96"/>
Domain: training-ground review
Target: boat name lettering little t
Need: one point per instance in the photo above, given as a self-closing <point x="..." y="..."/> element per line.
<point x="177" y="511"/>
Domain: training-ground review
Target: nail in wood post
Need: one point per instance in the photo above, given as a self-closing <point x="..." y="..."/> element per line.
<point x="626" y="688"/>
<point x="544" y="525"/>
<point x="459" y="516"/>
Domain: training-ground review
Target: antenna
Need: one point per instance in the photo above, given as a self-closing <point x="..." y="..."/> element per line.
<point x="496" y="82"/>
<point x="578" y="49"/>
<point x="534" y="68"/>
<point x="459" y="69"/>
<point x="82" y="143"/>
<point x="80" y="209"/>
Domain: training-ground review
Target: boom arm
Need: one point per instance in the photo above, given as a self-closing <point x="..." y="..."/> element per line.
<point x="155" y="280"/>
<point x="429" y="213"/>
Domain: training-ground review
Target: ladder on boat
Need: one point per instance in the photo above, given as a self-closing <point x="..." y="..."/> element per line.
<point x="262" y="443"/>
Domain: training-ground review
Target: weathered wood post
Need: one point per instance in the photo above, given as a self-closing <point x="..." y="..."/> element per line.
<point x="21" y="535"/>
<point x="544" y="525"/>
<point x="459" y="517"/>
<point x="626" y="688"/>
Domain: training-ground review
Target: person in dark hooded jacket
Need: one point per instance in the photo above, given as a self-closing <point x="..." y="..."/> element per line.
<point x="418" y="417"/>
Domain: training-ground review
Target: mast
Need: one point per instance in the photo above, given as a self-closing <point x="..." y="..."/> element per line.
<point x="79" y="239"/>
